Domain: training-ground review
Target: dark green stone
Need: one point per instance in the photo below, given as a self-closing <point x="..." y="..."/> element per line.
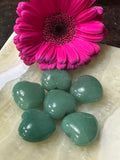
<point x="56" y="79"/>
<point x="82" y="128"/>
<point x="87" y="89"/>
<point x="57" y="103"/>
<point x="36" y="126"/>
<point x="28" y="95"/>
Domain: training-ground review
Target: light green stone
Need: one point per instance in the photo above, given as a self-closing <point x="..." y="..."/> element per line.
<point x="36" y="126"/>
<point x="87" y="89"/>
<point x="56" y="79"/>
<point x="57" y="103"/>
<point x="82" y="128"/>
<point x="28" y="95"/>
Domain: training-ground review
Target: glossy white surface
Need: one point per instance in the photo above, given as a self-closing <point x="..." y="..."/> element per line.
<point x="106" y="68"/>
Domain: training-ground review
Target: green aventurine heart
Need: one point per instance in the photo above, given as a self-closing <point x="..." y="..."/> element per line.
<point x="82" y="128"/>
<point x="36" y="126"/>
<point x="57" y="103"/>
<point x="87" y="89"/>
<point x="56" y="79"/>
<point x="28" y="95"/>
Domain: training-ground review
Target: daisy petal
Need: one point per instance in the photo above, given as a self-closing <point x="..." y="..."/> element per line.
<point x="61" y="55"/>
<point x="90" y="37"/>
<point x="45" y="66"/>
<point x="30" y="50"/>
<point x="72" y="55"/>
<point x="70" y="66"/>
<point x="24" y="27"/>
<point x="94" y="13"/>
<point x="45" y="7"/>
<point x="40" y="56"/>
<point x="61" y="66"/>
<point x="100" y="12"/>
<point x="27" y="60"/>
<point x="19" y="20"/>
<point x="16" y="39"/>
<point x="27" y="6"/>
<point x="63" y="5"/>
<point x="85" y="46"/>
<point x="30" y="17"/>
<point x="86" y="50"/>
<point x="92" y="27"/>
<point x="30" y="37"/>
<point x="20" y="46"/>
<point x="96" y="48"/>
<point x="77" y="6"/>
<point x="19" y="10"/>
<point x="83" y="55"/>
<point x="50" y="56"/>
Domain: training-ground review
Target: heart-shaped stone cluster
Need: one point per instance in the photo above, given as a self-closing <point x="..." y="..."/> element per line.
<point x="38" y="125"/>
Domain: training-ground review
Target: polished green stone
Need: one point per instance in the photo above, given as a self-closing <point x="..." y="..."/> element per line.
<point x="28" y="95"/>
<point x="82" y="128"/>
<point x="87" y="89"/>
<point x="56" y="79"/>
<point x="57" y="103"/>
<point x="36" y="126"/>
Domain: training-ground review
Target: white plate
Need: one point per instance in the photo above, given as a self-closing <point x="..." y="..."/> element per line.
<point x="106" y="67"/>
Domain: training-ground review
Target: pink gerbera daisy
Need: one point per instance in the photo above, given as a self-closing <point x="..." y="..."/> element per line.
<point x="58" y="33"/>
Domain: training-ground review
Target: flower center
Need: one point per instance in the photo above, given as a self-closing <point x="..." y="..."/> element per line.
<point x="58" y="29"/>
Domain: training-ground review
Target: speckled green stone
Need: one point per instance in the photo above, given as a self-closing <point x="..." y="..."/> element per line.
<point x="87" y="89"/>
<point x="56" y="79"/>
<point x="28" y="95"/>
<point x="57" y="103"/>
<point x="82" y="128"/>
<point x="36" y="126"/>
